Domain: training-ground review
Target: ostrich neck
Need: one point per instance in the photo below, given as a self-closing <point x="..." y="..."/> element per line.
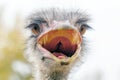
<point x="53" y="74"/>
<point x="57" y="76"/>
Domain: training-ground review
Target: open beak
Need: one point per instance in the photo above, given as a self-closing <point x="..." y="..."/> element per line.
<point x="62" y="45"/>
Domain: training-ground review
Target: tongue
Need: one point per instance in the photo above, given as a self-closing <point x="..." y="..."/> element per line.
<point x="59" y="55"/>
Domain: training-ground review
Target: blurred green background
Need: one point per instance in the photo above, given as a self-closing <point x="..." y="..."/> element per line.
<point x="13" y="65"/>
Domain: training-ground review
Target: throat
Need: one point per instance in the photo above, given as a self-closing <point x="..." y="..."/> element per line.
<point x="58" y="75"/>
<point x="54" y="74"/>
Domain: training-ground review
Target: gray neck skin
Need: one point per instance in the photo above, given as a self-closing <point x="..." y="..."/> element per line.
<point x="58" y="76"/>
<point x="52" y="74"/>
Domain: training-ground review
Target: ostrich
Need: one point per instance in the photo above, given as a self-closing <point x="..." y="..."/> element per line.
<point x="55" y="42"/>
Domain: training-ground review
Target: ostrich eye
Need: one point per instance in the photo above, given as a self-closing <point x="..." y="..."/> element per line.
<point x="82" y="29"/>
<point x="35" y="29"/>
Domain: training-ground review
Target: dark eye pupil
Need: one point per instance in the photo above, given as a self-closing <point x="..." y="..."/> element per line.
<point x="81" y="29"/>
<point x="36" y="27"/>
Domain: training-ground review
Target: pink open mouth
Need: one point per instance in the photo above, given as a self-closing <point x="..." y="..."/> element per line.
<point x="61" y="43"/>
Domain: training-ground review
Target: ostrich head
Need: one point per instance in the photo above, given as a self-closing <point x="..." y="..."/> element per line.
<point x="55" y="42"/>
